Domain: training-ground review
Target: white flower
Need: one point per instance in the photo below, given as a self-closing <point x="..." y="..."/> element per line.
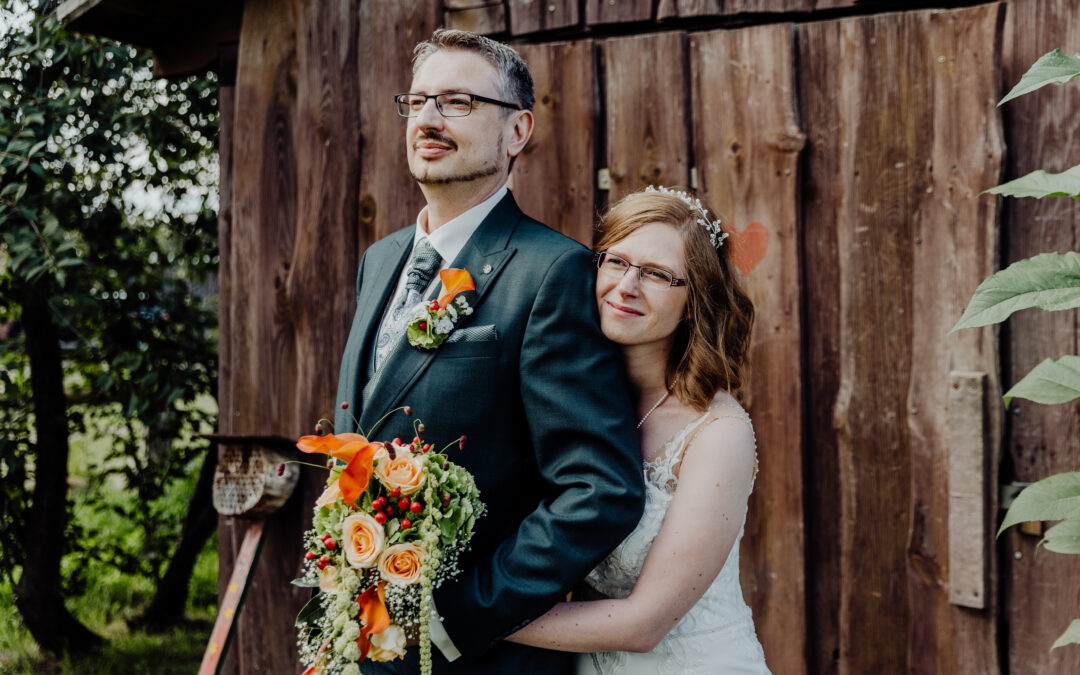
<point x="351" y="651"/>
<point x="444" y="325"/>
<point x="388" y="645"/>
<point x="351" y="669"/>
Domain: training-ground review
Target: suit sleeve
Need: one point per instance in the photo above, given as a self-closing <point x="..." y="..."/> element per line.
<point x="578" y="409"/>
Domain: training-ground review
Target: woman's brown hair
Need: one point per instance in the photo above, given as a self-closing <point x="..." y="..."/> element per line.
<point x="711" y="342"/>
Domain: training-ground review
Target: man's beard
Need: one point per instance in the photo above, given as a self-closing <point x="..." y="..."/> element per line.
<point x="476" y="174"/>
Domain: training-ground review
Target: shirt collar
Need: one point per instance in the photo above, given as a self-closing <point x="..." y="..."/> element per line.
<point x="449" y="239"/>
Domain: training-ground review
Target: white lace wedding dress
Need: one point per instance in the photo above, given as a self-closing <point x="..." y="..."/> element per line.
<point x="716" y="637"/>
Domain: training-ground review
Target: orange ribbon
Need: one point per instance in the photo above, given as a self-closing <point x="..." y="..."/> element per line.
<point x="454" y="281"/>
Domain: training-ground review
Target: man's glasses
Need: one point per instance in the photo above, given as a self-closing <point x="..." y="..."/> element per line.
<point x="615" y="267"/>
<point x="449" y="104"/>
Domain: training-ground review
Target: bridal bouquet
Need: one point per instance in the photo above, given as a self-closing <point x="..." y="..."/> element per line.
<point x="388" y="529"/>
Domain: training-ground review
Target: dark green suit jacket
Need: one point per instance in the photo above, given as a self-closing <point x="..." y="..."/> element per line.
<point x="549" y="423"/>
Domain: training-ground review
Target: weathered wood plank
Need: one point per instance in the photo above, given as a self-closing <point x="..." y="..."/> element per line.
<point x="746" y="145"/>
<point x="955" y="246"/>
<point x="554" y="179"/>
<point x="617" y="11"/>
<point x="1041" y="133"/>
<point x="487" y="20"/>
<point x="259" y="357"/>
<point x="667" y="9"/>
<point x="868" y="173"/>
<point x="533" y="16"/>
<point x="389" y="198"/>
<point x="763" y="6"/>
<point x="646" y="103"/>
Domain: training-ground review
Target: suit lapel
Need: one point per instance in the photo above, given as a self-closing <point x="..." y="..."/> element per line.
<point x="376" y="288"/>
<point x="487" y="247"/>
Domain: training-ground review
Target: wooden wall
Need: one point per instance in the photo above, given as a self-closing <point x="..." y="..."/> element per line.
<point x="847" y="156"/>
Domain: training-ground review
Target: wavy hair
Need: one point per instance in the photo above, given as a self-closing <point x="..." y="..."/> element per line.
<point x="711" y="342"/>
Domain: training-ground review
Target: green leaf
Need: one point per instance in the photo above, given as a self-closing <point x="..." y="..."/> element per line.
<point x="304" y="583"/>
<point x="311" y="611"/>
<point x="1054" y="498"/>
<point x="1055" y="67"/>
<point x="1049" y="281"/>
<point x="1039" y="184"/>
<point x="1049" y="382"/>
<point x="1071" y="636"/>
<point x="1063" y="537"/>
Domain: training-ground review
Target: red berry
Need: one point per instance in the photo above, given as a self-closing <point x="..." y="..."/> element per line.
<point x="434" y="306"/>
<point x="310" y="555"/>
<point x="396" y="441"/>
<point x="380" y="517"/>
<point x="416" y="440"/>
<point x="318" y="428"/>
<point x="408" y="411"/>
<point x="281" y="469"/>
<point x="396" y="492"/>
<point x="344" y="405"/>
<point x="406" y="523"/>
<point x="422" y="325"/>
<point x="416" y="507"/>
<point x="389" y="510"/>
<point x="425" y="447"/>
<point x="331" y="544"/>
<point x="403" y="503"/>
<point x="378" y="503"/>
<point x="321" y="564"/>
<point x="461" y="443"/>
<point x="420" y="428"/>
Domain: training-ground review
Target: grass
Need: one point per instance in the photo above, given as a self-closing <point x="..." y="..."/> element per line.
<point x="111" y="599"/>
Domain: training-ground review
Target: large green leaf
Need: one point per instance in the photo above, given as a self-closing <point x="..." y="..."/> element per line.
<point x="1054" y="498"/>
<point x="1049" y="382"/>
<point x="1071" y="636"/>
<point x="1049" y="281"/>
<point x="1053" y="68"/>
<point x="1039" y="184"/>
<point x="1063" y="537"/>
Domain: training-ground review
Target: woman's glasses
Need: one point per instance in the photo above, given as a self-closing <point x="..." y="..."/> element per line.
<point x="615" y="267"/>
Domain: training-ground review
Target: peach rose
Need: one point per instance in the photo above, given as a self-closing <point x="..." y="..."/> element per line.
<point x="400" y="563"/>
<point x="388" y="645"/>
<point x="405" y="472"/>
<point x="327" y="583"/>
<point x="331" y="494"/>
<point x="362" y="539"/>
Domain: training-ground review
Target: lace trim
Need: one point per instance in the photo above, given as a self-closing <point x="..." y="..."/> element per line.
<point x="665" y="477"/>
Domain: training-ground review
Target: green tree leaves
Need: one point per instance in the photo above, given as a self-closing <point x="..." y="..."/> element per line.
<point x="1053" y="498"/>
<point x="1049" y="281"/>
<point x="1053" y="68"/>
<point x="1049" y="382"/>
<point x="1039" y="184"/>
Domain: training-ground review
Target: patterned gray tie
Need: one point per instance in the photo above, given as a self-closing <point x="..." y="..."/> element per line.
<point x="425" y="261"/>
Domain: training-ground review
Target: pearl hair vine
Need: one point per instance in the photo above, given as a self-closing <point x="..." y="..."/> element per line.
<point x="713" y="227"/>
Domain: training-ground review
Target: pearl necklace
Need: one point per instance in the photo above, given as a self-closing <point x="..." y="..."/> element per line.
<point x="655" y="406"/>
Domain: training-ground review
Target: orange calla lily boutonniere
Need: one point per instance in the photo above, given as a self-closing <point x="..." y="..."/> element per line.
<point x="436" y="320"/>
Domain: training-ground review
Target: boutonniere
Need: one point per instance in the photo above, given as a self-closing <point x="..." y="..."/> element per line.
<point x="436" y="320"/>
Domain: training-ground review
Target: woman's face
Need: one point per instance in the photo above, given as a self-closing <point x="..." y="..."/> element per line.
<point x="638" y="309"/>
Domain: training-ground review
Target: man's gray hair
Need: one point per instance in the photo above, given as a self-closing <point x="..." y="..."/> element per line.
<point x="515" y="80"/>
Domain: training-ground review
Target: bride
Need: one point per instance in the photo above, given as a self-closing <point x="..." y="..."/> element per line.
<point x="672" y="600"/>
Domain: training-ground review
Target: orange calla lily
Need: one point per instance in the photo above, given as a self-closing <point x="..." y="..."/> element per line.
<point x="374" y="616"/>
<point x="454" y="281"/>
<point x="354" y="478"/>
<point x="333" y="445"/>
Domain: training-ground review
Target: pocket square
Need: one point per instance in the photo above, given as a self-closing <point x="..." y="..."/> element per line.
<point x="474" y="334"/>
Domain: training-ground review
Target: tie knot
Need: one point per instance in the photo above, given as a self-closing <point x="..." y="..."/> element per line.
<point x="425" y="261"/>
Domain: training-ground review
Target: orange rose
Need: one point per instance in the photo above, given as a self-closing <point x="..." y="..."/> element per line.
<point x="327" y="583"/>
<point x="331" y="494"/>
<point x="405" y="471"/>
<point x="362" y="539"/>
<point x="400" y="563"/>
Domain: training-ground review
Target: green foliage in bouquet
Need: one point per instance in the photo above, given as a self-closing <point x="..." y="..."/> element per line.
<point x="1051" y="282"/>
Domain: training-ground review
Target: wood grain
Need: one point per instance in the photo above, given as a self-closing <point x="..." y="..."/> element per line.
<point x="955" y="248"/>
<point x="389" y="198"/>
<point x="646" y="112"/>
<point x="617" y="11"/>
<point x="763" y="6"/>
<point x="487" y="20"/>
<point x="667" y="9"/>
<point x="747" y="143"/>
<point x="554" y="179"/>
<point x="1041" y="133"/>
<point x="534" y="16"/>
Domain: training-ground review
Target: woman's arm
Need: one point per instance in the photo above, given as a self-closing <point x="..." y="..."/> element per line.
<point x="688" y="553"/>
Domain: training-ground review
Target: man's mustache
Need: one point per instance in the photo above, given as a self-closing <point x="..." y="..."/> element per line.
<point x="436" y="136"/>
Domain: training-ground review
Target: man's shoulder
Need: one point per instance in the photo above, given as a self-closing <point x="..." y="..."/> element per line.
<point x="533" y="236"/>
<point x="392" y="242"/>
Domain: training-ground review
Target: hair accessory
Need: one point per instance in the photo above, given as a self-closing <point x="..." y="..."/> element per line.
<point x="713" y="227"/>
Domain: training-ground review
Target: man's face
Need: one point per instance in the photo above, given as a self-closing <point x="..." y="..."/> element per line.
<point x="457" y="149"/>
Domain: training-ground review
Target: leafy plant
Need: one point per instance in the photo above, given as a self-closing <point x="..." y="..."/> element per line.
<point x="1051" y="282"/>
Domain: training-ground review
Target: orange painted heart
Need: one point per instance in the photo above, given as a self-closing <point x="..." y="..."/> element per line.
<point x="747" y="247"/>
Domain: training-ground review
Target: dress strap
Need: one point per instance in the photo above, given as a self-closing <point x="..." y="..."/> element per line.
<point x="711" y="415"/>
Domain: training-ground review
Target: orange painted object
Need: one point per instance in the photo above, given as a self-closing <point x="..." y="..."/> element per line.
<point x="233" y="599"/>
<point x="747" y="247"/>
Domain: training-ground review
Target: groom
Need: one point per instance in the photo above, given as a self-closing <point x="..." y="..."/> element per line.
<point x="528" y="378"/>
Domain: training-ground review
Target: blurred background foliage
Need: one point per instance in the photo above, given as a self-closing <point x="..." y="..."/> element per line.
<point x="108" y="248"/>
